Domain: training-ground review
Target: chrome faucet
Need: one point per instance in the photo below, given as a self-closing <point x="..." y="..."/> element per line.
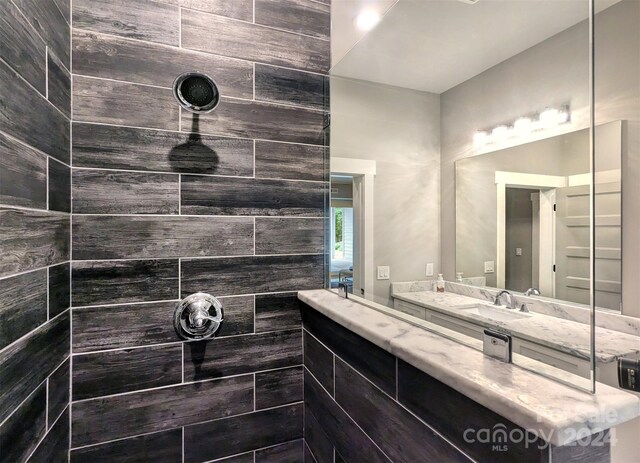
<point x="511" y="304"/>
<point x="532" y="292"/>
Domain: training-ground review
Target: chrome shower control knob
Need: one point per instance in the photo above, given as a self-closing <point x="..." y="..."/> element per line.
<point x="198" y="316"/>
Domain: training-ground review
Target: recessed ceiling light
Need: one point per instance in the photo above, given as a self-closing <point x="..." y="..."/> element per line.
<point x="367" y="20"/>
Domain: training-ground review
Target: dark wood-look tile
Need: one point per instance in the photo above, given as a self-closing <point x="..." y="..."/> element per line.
<point x="253" y="42"/>
<point x="116" y="282"/>
<point x="319" y="361"/>
<point x="118" y="58"/>
<point x="597" y="451"/>
<point x="282" y="85"/>
<point x="29" y="361"/>
<point x="237" y="9"/>
<point x="289" y="161"/>
<point x="126" y="370"/>
<point x="59" y="288"/>
<point x="238" y="434"/>
<point x="114" y="417"/>
<point x="59" y="186"/>
<point x="341" y="430"/>
<point x="402" y="436"/>
<point x="47" y="19"/>
<point x="23" y="305"/>
<point x="58" y="394"/>
<point x="301" y="16"/>
<point x="238" y="315"/>
<point x="65" y="8"/>
<point x="289" y="452"/>
<point x="59" y="85"/>
<point x="338" y="458"/>
<point x="277" y="312"/>
<point x="319" y="444"/>
<point x="378" y="365"/>
<point x="19" y="435"/>
<point x="241" y="354"/>
<point x="233" y="196"/>
<point x="278" y="387"/>
<point x="54" y="448"/>
<point x="307" y="456"/>
<point x="31" y="239"/>
<point x="242" y="458"/>
<point x="257" y="119"/>
<point x="289" y="235"/>
<point x="160" y="447"/>
<point x="127" y="237"/>
<point x="20" y="47"/>
<point x="110" y="147"/>
<point x="30" y="118"/>
<point x="123" y="326"/>
<point x="23" y="174"/>
<point x="249" y="275"/>
<point x="122" y="103"/>
<point x="136" y="19"/>
<point x="108" y="192"/>
<point x="433" y="401"/>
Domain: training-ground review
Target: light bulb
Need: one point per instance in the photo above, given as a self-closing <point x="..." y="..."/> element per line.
<point x="549" y="118"/>
<point x="367" y="20"/>
<point x="499" y="132"/>
<point x="480" y="138"/>
<point x="522" y="126"/>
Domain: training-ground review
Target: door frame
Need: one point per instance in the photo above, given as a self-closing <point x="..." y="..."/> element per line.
<point x="363" y="172"/>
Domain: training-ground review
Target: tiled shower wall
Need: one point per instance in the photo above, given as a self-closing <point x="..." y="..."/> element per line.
<point x="166" y="204"/>
<point x="35" y="112"/>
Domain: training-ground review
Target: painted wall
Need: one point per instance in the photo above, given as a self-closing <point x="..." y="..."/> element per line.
<point x="236" y="212"/>
<point x="399" y="129"/>
<point x="552" y="73"/>
<point x="35" y="112"/>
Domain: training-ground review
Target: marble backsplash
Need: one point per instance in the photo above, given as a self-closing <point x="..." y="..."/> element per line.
<point x="559" y="309"/>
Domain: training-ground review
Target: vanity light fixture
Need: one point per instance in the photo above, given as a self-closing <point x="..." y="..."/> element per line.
<point x="367" y="20"/>
<point x="523" y="126"/>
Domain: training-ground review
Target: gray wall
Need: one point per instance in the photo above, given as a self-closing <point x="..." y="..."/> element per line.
<point x="551" y="73"/>
<point x="519" y="234"/>
<point x="34" y="230"/>
<point x="399" y="129"/>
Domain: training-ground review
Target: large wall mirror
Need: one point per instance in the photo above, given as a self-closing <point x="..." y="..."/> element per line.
<point x="478" y="139"/>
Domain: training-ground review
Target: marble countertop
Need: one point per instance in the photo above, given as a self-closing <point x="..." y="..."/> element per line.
<point x="566" y="336"/>
<point x="554" y="411"/>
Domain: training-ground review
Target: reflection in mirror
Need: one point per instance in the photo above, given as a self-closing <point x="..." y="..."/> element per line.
<point x="456" y="126"/>
<point x="522" y="217"/>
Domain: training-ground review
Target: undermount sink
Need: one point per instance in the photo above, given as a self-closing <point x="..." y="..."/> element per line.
<point x="500" y="314"/>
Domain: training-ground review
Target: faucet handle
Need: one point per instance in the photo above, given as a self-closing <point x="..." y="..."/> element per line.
<point x="524" y="308"/>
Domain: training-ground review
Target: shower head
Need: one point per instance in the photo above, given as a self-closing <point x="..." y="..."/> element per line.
<point x="196" y="92"/>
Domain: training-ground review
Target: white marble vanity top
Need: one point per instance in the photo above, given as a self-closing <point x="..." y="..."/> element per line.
<point x="564" y="335"/>
<point x="555" y="412"/>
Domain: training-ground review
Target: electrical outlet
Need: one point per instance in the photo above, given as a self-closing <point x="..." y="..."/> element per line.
<point x="383" y="272"/>
<point x="489" y="266"/>
<point x="429" y="270"/>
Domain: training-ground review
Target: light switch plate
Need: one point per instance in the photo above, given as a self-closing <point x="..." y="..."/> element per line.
<point x="518" y="251"/>
<point x="429" y="270"/>
<point x="489" y="266"/>
<point x="383" y="272"/>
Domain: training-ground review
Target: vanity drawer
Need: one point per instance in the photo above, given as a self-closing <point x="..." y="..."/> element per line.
<point x="468" y="329"/>
<point x="552" y="357"/>
<point x="410" y="309"/>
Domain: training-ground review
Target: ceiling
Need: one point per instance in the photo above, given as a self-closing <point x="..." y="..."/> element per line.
<point x="434" y="45"/>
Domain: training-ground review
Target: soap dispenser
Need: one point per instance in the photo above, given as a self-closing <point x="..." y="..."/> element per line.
<point x="440" y="283"/>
